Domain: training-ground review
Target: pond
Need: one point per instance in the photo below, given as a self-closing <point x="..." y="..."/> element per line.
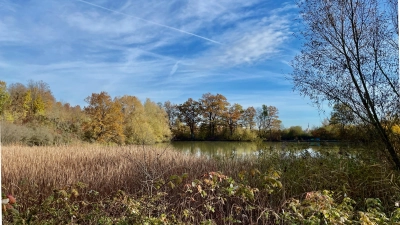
<point x="238" y="149"/>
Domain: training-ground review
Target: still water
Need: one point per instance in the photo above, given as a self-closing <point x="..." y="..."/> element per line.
<point x="238" y="149"/>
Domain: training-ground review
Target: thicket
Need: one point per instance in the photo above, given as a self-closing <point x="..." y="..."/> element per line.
<point x="31" y="136"/>
<point x="143" y="185"/>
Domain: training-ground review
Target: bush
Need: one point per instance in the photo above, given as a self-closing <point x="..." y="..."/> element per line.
<point x="31" y="136"/>
<point x="14" y="134"/>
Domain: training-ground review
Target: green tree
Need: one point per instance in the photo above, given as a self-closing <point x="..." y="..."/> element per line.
<point x="295" y="132"/>
<point x="105" y="123"/>
<point x="350" y="56"/>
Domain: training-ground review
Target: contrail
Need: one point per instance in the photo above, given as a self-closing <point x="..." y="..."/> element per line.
<point x="148" y="21"/>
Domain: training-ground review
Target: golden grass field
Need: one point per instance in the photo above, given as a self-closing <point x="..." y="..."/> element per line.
<point x="27" y="171"/>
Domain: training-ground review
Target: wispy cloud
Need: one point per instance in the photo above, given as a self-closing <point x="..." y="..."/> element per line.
<point x="174" y="68"/>
<point x="254" y="46"/>
<point x="163" y="50"/>
<point x="151" y="22"/>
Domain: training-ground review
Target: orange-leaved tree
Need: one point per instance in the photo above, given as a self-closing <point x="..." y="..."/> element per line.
<point x="214" y="106"/>
<point x="232" y="116"/>
<point x="248" y="117"/>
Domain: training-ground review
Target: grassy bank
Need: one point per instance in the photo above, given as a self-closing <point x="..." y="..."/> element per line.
<point x="142" y="184"/>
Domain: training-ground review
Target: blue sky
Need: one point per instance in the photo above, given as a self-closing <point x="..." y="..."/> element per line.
<point x="162" y="50"/>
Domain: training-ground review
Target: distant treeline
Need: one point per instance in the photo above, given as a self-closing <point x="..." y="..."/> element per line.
<point x="32" y="116"/>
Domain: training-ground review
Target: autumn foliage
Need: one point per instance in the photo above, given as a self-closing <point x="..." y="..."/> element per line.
<point x="33" y="116"/>
<point x="105" y="123"/>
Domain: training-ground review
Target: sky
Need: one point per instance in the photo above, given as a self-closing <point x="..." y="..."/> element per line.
<point x="163" y="50"/>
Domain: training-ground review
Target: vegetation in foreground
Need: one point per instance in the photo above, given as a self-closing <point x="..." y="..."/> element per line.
<point x="144" y="185"/>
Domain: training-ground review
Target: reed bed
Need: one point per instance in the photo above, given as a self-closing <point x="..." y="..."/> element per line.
<point x="104" y="169"/>
<point x="167" y="183"/>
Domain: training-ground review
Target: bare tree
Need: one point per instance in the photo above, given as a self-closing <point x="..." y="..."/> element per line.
<point x="350" y="57"/>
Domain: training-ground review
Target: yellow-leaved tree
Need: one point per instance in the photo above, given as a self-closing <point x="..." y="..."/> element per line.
<point x="4" y="97"/>
<point x="20" y="102"/>
<point x="143" y="124"/>
<point x="135" y="124"/>
<point x="105" y="124"/>
<point x="157" y="119"/>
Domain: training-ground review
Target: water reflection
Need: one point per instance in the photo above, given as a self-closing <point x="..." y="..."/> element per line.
<point x="239" y="149"/>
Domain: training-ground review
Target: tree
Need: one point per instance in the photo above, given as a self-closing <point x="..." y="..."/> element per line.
<point x="157" y="119"/>
<point x="190" y="112"/>
<point x="248" y="117"/>
<point x="4" y="97"/>
<point x="41" y="98"/>
<point x="214" y="107"/>
<point x="341" y="116"/>
<point x="172" y="112"/>
<point x="105" y="123"/>
<point x="294" y="132"/>
<point x="232" y="116"/>
<point x="20" y="102"/>
<point x="38" y="106"/>
<point x="134" y="119"/>
<point x="268" y="120"/>
<point x="350" y="56"/>
<point x="29" y="102"/>
<point x="272" y="121"/>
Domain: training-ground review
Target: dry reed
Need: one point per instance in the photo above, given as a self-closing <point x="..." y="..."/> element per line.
<point x="33" y="173"/>
<point x="37" y="171"/>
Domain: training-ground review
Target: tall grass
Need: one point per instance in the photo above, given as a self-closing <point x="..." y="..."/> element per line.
<point x="40" y="170"/>
<point x="175" y="184"/>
